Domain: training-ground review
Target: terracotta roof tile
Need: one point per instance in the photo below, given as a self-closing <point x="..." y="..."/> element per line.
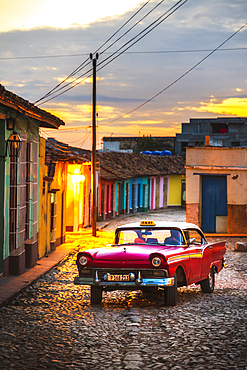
<point x="14" y="101"/>
<point x="115" y="165"/>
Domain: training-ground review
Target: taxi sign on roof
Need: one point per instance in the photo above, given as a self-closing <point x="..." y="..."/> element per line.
<point x="147" y="223"/>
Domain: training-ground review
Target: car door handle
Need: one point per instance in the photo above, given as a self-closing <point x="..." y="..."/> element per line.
<point x="210" y="247"/>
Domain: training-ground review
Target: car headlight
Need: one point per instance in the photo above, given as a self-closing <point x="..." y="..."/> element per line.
<point x="156" y="261"/>
<point x="83" y="260"/>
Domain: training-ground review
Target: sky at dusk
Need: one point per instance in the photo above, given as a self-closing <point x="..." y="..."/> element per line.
<point x="43" y="41"/>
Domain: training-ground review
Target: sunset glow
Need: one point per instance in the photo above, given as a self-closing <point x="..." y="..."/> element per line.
<point x="230" y="106"/>
<point x="26" y="14"/>
<point x="150" y="88"/>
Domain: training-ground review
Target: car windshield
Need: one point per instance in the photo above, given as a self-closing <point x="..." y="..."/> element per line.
<point x="149" y="236"/>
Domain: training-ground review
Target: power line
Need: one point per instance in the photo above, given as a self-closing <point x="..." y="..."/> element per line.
<point x="43" y="56"/>
<point x="131" y="28"/>
<point x="73" y="129"/>
<point x="127" y="52"/>
<point x="179" y="78"/>
<point x="154" y="24"/>
<point x="122" y="26"/>
<point x="43" y="133"/>
<point x="63" y="87"/>
<point x="69" y="129"/>
<point x="181" y="51"/>
<point x="81" y="141"/>
<point x="81" y="65"/>
<point x="57" y="86"/>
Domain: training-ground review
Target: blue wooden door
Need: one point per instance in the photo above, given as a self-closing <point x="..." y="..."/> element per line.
<point x="214" y="201"/>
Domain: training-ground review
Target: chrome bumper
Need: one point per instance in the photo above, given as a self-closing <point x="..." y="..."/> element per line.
<point x="141" y="282"/>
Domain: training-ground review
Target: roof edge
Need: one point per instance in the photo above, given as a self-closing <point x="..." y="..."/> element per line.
<point x="14" y="101"/>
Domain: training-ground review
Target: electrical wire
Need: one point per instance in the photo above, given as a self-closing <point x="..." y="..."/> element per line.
<point x="70" y="75"/>
<point x="69" y="129"/>
<point x="131" y="28"/>
<point x="159" y="20"/>
<point x="122" y="26"/>
<point x="79" y="68"/>
<point x="43" y="133"/>
<point x="127" y="52"/>
<point x="86" y="137"/>
<point x="80" y="142"/>
<point x="61" y="88"/>
<point x="43" y="56"/>
<point x="82" y="64"/>
<point x="179" y="78"/>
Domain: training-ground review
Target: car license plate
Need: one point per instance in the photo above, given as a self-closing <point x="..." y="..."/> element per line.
<point x="118" y="277"/>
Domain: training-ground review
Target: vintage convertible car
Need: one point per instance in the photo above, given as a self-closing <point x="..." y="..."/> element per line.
<point x="152" y="255"/>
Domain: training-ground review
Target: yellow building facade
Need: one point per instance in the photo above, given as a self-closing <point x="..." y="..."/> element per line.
<point x="52" y="201"/>
<point x="44" y="206"/>
<point x="176" y="190"/>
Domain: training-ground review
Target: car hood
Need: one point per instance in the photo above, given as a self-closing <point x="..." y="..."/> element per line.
<point x="130" y="253"/>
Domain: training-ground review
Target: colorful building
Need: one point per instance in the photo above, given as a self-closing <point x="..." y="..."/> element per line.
<point x="137" y="183"/>
<point x="66" y="193"/>
<point x="216" y="198"/>
<point x="19" y="181"/>
<point x="78" y="202"/>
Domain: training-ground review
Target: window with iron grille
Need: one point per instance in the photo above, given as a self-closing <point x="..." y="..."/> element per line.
<point x="27" y="216"/>
<point x="13" y="172"/>
<point x="31" y="186"/>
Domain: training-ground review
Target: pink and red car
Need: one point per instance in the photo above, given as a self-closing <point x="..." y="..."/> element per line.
<point x="152" y="255"/>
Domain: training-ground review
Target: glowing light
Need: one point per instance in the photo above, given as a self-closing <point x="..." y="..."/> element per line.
<point x="76" y="178"/>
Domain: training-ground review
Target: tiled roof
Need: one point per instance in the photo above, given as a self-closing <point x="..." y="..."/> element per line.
<point x="63" y="152"/>
<point x="120" y="166"/>
<point x="46" y="119"/>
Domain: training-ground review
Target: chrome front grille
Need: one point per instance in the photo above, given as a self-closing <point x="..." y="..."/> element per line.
<point x="150" y="273"/>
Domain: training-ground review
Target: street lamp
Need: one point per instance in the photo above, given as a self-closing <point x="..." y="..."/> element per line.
<point x="13" y="145"/>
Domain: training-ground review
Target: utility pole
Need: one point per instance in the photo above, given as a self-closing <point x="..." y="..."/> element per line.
<point x="93" y="155"/>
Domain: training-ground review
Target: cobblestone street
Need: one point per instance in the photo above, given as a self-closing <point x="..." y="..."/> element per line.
<point x="52" y="325"/>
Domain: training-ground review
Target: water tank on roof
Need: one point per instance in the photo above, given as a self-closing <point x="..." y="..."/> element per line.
<point x="165" y="152"/>
<point x="155" y="152"/>
<point x="146" y="152"/>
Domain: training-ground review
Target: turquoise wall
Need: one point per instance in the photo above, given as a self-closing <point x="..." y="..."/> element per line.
<point x="2" y="177"/>
<point x="141" y="202"/>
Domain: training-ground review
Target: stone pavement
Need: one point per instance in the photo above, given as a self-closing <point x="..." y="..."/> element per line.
<point x="51" y="324"/>
<point x="10" y="286"/>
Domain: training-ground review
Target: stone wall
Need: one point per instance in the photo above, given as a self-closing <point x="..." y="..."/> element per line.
<point x="192" y="213"/>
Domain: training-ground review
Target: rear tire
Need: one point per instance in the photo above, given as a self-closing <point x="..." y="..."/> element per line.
<point x="207" y="285"/>
<point x="171" y="294"/>
<point x="96" y="294"/>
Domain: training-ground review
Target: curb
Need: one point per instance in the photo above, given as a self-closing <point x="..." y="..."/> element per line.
<point x="14" y="285"/>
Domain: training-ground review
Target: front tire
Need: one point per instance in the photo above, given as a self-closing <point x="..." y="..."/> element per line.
<point x="207" y="285"/>
<point x="96" y="294"/>
<point x="171" y="294"/>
